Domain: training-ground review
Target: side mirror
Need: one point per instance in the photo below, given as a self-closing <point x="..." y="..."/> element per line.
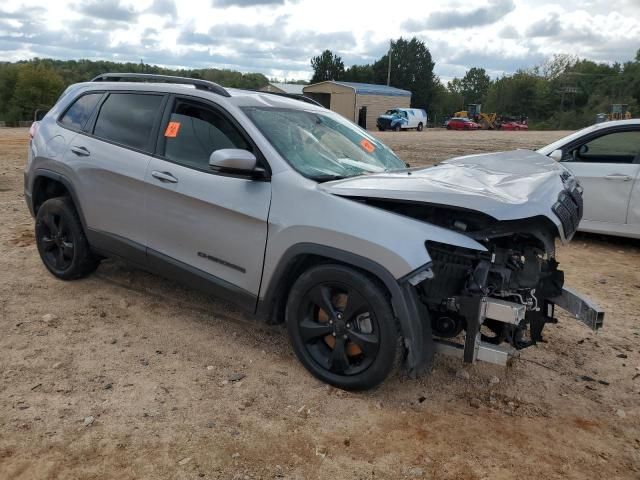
<point x="233" y="160"/>
<point x="556" y="155"/>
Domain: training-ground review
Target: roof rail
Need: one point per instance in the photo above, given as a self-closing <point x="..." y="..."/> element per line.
<point x="296" y="96"/>
<point x="150" y="77"/>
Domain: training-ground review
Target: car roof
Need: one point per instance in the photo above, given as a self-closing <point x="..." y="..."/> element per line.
<point x="546" y="150"/>
<point x="238" y="97"/>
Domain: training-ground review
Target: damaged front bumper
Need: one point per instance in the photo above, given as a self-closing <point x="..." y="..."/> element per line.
<point x="582" y="308"/>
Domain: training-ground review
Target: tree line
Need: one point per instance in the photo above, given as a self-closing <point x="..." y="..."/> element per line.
<point x="26" y="86"/>
<point x="565" y="92"/>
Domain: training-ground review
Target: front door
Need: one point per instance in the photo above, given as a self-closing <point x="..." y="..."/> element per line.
<point x="607" y="168"/>
<point x="212" y="224"/>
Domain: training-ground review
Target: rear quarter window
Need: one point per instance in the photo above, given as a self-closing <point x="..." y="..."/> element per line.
<point x="128" y="119"/>
<point x="80" y="111"/>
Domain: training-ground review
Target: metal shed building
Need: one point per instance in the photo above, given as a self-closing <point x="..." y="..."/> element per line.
<point x="358" y="101"/>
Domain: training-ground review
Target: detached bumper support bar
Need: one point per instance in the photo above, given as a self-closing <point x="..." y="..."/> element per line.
<point x="580" y="307"/>
<point x="482" y="308"/>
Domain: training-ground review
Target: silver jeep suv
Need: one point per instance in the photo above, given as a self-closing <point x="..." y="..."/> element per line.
<point x="298" y="215"/>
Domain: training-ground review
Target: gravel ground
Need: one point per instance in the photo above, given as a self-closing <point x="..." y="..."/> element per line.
<point x="126" y="375"/>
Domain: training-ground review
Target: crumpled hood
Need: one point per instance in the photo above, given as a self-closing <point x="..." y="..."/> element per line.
<point x="505" y="185"/>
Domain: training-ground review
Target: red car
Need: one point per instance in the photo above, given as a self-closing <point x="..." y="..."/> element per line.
<point x="514" y="126"/>
<point x="462" y="124"/>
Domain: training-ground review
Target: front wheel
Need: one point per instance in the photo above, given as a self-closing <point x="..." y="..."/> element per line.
<point x="61" y="242"/>
<point x="396" y="128"/>
<point x="342" y="327"/>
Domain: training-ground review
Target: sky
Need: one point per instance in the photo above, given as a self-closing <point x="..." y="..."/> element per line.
<point x="279" y="37"/>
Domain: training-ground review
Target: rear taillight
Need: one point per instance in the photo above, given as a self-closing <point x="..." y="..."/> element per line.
<point x="33" y="130"/>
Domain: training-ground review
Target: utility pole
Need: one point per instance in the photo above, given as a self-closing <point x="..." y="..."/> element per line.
<point x="389" y="69"/>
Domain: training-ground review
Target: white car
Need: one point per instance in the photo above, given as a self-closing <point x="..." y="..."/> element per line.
<point x="606" y="159"/>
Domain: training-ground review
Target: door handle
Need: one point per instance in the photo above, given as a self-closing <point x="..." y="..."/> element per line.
<point x="80" y="151"/>
<point x="618" y="176"/>
<point x="165" y="177"/>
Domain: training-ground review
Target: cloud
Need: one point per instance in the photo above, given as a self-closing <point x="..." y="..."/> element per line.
<point x="246" y="3"/>
<point x="547" y="27"/>
<point x="107" y="10"/>
<point x="446" y="19"/>
<point x="509" y="32"/>
<point x="163" y="7"/>
<point x="24" y="13"/>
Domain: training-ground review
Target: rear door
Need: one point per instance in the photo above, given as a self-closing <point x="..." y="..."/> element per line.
<point x="607" y="168"/>
<point x="110" y="161"/>
<point x="210" y="223"/>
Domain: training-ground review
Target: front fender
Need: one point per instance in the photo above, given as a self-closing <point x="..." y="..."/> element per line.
<point x="409" y="311"/>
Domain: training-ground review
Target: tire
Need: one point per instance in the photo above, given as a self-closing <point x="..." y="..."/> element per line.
<point x="61" y="242"/>
<point x="342" y="327"/>
<point x="396" y="128"/>
<point x="449" y="127"/>
<point x="420" y="127"/>
<point x="381" y="129"/>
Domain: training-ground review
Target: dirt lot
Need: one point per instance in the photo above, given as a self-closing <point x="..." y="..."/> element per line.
<point x="125" y="375"/>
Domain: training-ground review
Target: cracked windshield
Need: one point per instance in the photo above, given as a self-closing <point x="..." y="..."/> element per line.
<point x="323" y="145"/>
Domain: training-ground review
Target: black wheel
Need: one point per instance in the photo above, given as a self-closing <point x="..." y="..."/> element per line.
<point x="342" y="327"/>
<point x="420" y="127"/>
<point x="61" y="242"/>
<point x="381" y="129"/>
<point x="396" y="128"/>
<point x="448" y="127"/>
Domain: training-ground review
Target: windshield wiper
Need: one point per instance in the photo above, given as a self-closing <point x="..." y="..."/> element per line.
<point x="327" y="178"/>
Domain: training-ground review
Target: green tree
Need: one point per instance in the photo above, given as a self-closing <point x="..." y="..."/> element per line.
<point x="475" y="85"/>
<point x="359" y="73"/>
<point x="411" y="69"/>
<point x="327" y="66"/>
<point x="37" y="86"/>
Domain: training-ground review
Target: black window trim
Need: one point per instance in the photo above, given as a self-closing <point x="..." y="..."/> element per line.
<point x="597" y="134"/>
<point x="73" y="102"/>
<point x="160" y="141"/>
<point x="148" y="150"/>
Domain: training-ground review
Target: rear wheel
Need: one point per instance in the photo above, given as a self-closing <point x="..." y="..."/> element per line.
<point x="420" y="127"/>
<point x="61" y="242"/>
<point x="342" y="327"/>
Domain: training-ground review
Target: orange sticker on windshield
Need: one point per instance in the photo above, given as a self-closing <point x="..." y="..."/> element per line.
<point x="367" y="146"/>
<point x="172" y="130"/>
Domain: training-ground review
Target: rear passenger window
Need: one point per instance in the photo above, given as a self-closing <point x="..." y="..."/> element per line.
<point x="195" y="131"/>
<point x="128" y="118"/>
<point x="78" y="114"/>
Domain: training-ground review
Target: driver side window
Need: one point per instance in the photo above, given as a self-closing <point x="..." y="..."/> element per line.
<point x="617" y="147"/>
<point x="195" y="131"/>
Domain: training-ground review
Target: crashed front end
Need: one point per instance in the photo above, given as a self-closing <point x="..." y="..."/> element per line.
<point x="488" y="303"/>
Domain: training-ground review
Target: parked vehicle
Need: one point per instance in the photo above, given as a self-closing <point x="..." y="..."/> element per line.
<point x="458" y="123"/>
<point x="297" y="215"/>
<point x="606" y="159"/>
<point x="514" y="126"/>
<point x="402" y="119"/>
